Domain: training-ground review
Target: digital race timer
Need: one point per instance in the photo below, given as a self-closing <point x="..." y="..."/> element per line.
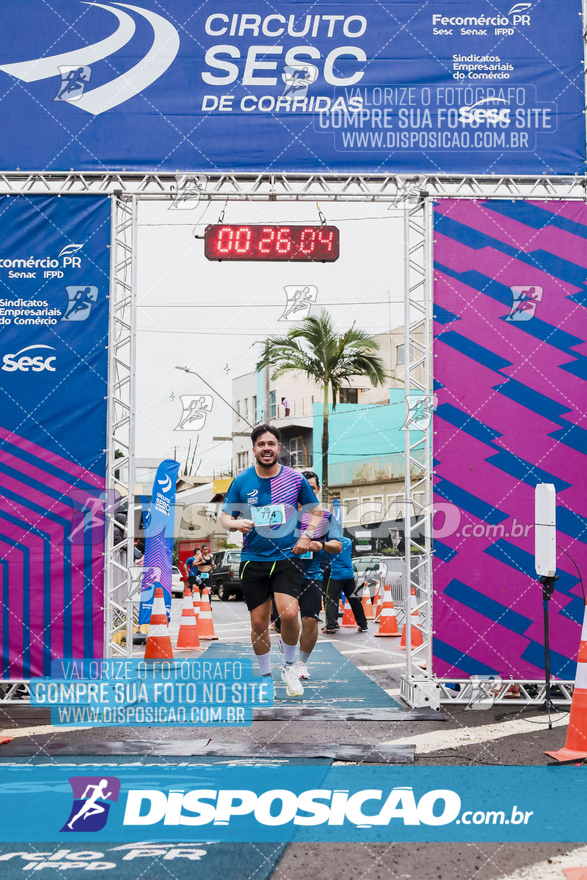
<point x="319" y="244"/>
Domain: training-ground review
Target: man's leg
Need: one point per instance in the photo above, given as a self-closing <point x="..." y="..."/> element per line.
<point x="355" y="603"/>
<point x="333" y="591"/>
<point x="260" y="636"/>
<point x="308" y="637"/>
<point x="256" y="588"/>
<point x="310" y="607"/>
<point x="287" y="608"/>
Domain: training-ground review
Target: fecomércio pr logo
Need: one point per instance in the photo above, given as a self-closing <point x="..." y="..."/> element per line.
<point x="91" y="802"/>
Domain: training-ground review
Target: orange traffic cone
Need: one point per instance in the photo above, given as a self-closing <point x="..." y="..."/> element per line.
<point x="417" y="638"/>
<point x="196" y="601"/>
<point x="378" y="600"/>
<point x="387" y="618"/>
<point x="187" y="638"/>
<point x="158" y="645"/>
<point x="576" y="744"/>
<point x="205" y="622"/>
<point x="367" y="604"/>
<point x="575" y="873"/>
<point x="348" y="618"/>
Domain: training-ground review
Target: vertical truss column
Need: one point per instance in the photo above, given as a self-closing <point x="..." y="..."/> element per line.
<point x="417" y="685"/>
<point x="120" y="474"/>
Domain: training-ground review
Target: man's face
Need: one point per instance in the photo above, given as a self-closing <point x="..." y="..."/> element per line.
<point x="314" y="487"/>
<point x="266" y="450"/>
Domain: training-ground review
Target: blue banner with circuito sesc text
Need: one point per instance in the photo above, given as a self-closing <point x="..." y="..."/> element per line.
<point x="460" y="86"/>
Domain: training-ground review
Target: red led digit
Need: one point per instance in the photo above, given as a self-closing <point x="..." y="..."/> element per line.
<point x="308" y="241"/>
<point x="283" y="244"/>
<point x="222" y="246"/>
<point x="264" y="246"/>
<point x="326" y="239"/>
<point x="242" y="246"/>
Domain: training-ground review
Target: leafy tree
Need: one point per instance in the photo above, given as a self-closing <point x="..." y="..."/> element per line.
<point x="329" y="359"/>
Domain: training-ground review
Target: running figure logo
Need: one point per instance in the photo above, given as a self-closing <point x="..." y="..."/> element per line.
<point x="90" y="802"/>
<point x="420" y="409"/>
<point x="81" y="299"/>
<point x="299" y="301"/>
<point x="73" y="82"/>
<point x="195" y="411"/>
<point x="298" y="78"/>
<point x="524" y="304"/>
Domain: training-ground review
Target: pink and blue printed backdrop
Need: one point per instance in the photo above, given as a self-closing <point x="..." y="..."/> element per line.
<point x="510" y="356"/>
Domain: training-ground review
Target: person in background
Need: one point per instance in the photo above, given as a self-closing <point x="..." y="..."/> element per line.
<point x="342" y="580"/>
<point x="285" y="404"/>
<point x="326" y="541"/>
<point x="205" y="565"/>
<point x="192" y="564"/>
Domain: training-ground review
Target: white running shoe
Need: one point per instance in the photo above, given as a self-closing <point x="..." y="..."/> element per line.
<point x="302" y="670"/>
<point x="293" y="685"/>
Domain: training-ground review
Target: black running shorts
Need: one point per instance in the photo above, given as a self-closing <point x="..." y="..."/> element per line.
<point x="260" y="580"/>
<point x="311" y="599"/>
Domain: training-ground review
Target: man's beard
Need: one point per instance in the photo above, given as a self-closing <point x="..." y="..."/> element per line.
<point x="267" y="464"/>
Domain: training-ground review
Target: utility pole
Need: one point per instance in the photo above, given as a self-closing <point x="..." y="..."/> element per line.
<point x="267" y="406"/>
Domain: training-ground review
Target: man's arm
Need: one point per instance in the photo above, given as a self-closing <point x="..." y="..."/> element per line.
<point x="303" y="543"/>
<point x="236" y="525"/>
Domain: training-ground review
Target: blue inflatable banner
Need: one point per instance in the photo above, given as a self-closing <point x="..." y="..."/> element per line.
<point x="395" y="86"/>
<point x="158" y="528"/>
<point x="54" y="276"/>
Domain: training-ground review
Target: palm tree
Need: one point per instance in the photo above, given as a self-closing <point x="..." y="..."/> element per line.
<point x="313" y="347"/>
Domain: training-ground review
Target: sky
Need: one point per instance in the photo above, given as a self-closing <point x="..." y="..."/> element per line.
<point x="213" y="316"/>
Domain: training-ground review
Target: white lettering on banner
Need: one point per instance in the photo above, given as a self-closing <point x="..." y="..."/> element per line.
<point x="26" y="362"/>
<point x="252" y="64"/>
<point x="275" y="25"/>
<point x="281" y="807"/>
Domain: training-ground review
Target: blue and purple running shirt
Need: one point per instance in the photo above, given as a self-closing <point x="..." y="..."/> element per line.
<point x="288" y="487"/>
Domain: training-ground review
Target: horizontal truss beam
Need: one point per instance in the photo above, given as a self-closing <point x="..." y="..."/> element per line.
<point x="186" y="190"/>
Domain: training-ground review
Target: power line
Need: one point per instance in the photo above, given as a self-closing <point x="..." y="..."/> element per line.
<point x="377" y="302"/>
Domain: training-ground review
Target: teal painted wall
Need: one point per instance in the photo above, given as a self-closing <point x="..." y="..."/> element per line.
<point x="361" y="431"/>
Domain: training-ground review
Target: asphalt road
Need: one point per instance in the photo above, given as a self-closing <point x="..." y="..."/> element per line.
<point x="501" y="736"/>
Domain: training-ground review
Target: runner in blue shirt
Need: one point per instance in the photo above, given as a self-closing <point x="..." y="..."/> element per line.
<point x="269" y="565"/>
<point x="327" y="540"/>
<point x="342" y="580"/>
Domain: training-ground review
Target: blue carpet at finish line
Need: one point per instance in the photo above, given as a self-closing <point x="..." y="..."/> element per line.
<point x="336" y="682"/>
<point x="219" y="861"/>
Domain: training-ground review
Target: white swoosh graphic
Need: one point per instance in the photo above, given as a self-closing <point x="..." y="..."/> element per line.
<point x="43" y="68"/>
<point x="161" y="54"/>
<point x="167" y="483"/>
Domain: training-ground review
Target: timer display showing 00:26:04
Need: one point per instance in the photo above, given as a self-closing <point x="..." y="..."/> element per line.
<point x="318" y="244"/>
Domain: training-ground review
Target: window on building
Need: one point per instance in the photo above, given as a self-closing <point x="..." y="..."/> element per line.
<point x="372" y="509"/>
<point x="242" y="461"/>
<point x="395" y="507"/>
<point x="272" y="405"/>
<point x="238" y="409"/>
<point x="401" y="354"/>
<point x="297" y="452"/>
<point x="246" y="408"/>
<point x="349" y="395"/>
<point x="353" y="509"/>
<point x="254" y="408"/>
